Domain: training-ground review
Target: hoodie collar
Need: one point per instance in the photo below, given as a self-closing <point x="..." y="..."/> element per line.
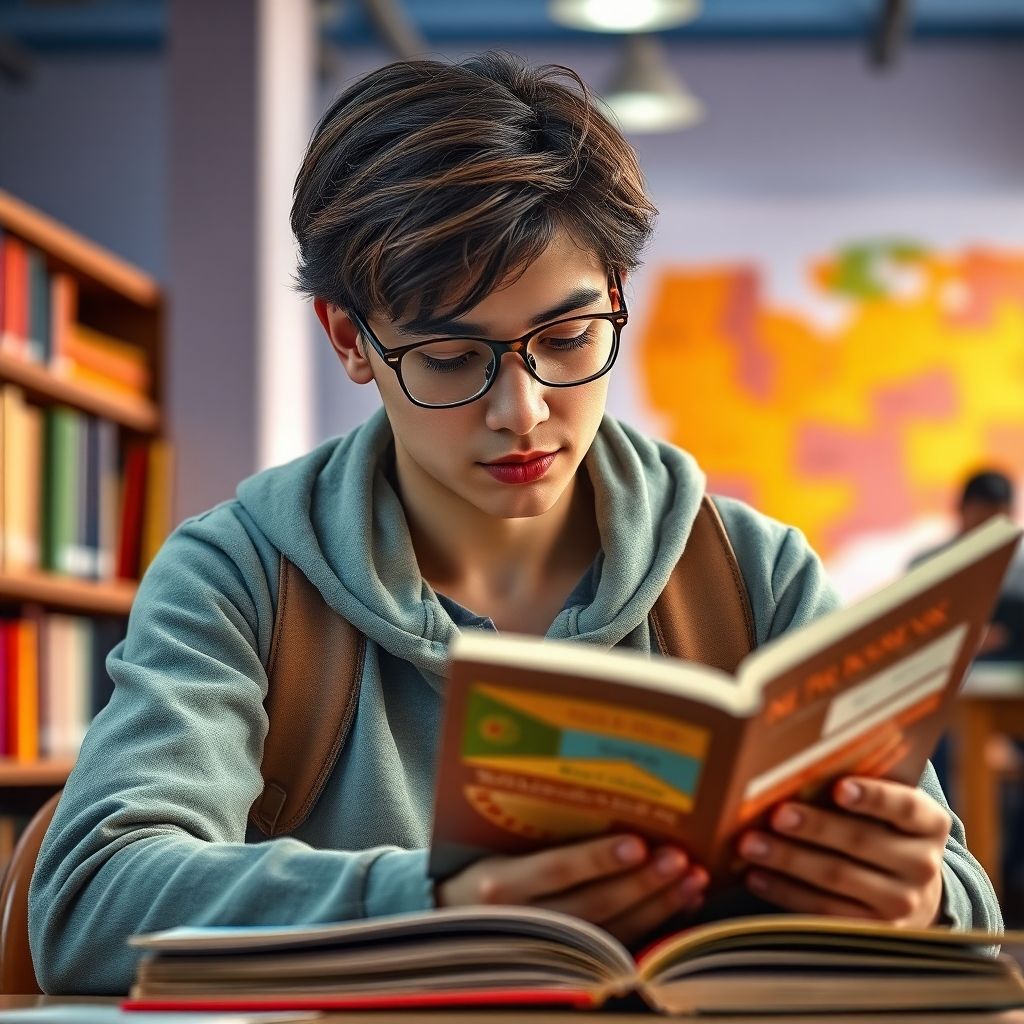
<point x="336" y="516"/>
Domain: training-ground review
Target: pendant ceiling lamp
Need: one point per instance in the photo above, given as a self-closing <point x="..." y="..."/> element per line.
<point x="623" y="15"/>
<point x="646" y="95"/>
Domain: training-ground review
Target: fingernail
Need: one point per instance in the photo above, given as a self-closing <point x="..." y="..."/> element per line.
<point x="850" y="792"/>
<point x="692" y="884"/>
<point x="754" y="846"/>
<point x="669" y="863"/>
<point x="788" y="817"/>
<point x="630" y="851"/>
<point x="757" y="882"/>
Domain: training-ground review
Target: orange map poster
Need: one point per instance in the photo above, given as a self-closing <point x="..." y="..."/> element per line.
<point x="853" y="429"/>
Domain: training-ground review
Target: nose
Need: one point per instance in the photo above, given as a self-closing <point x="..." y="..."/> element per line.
<point x="516" y="402"/>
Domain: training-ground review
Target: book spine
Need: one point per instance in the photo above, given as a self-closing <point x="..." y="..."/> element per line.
<point x="28" y="690"/>
<point x="69" y="454"/>
<point x="12" y="331"/>
<point x="157" y="505"/>
<point x="6" y="700"/>
<point x="91" y="478"/>
<point x="37" y="335"/>
<point x="109" y="498"/>
<point x="64" y="310"/>
<point x="134" y="492"/>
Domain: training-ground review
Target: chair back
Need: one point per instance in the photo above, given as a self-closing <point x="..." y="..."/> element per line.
<point x="17" y="975"/>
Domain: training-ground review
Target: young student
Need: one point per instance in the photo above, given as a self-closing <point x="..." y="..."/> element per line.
<point x="438" y="202"/>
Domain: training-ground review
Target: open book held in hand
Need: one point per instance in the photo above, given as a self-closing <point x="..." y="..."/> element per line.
<point x="522" y="956"/>
<point x="546" y="742"/>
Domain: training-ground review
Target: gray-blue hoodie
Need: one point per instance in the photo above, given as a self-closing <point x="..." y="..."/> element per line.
<point x="151" y="831"/>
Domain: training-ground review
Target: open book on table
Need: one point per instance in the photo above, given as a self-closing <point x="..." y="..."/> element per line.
<point x="522" y="956"/>
<point x="546" y="742"/>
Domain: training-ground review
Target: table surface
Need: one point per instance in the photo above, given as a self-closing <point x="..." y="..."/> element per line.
<point x="572" y="1016"/>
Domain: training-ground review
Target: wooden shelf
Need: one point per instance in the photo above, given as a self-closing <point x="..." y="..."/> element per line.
<point x="51" y="771"/>
<point x="137" y="413"/>
<point x="86" y="596"/>
<point x="78" y="253"/>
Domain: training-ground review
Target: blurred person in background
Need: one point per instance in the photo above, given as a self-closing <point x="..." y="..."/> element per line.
<point x="985" y="494"/>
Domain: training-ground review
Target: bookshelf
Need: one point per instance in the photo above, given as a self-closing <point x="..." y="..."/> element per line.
<point x="101" y="296"/>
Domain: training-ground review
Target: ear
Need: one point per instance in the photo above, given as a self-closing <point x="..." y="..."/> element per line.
<point x="344" y="338"/>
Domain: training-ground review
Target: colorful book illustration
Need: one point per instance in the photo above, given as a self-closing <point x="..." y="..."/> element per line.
<point x="546" y="742"/>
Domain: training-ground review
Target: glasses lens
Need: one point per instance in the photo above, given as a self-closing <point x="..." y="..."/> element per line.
<point x="572" y="351"/>
<point x="458" y="369"/>
<point x="447" y="372"/>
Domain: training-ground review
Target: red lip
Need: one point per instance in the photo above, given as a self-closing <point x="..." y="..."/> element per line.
<point x="520" y="470"/>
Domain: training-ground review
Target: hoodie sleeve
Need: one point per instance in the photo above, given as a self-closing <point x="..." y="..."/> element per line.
<point x="150" y="831"/>
<point x="788" y="588"/>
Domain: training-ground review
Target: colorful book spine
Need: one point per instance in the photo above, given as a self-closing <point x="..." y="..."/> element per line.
<point x="14" y="328"/>
<point x="6" y="701"/>
<point x="158" y="510"/>
<point x="63" y="313"/>
<point x="37" y="341"/>
<point x="60" y="489"/>
<point x="132" y="510"/>
<point x="22" y="459"/>
<point x="109" y="498"/>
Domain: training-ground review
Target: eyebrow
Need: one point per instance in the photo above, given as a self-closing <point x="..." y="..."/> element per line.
<point x="464" y="328"/>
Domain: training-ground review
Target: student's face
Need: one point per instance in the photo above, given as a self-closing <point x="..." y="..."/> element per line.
<point x="449" y="449"/>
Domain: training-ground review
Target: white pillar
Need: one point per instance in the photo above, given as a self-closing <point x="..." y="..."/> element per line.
<point x="239" y="88"/>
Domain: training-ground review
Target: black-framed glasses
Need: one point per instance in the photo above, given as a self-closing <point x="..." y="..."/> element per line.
<point x="443" y="373"/>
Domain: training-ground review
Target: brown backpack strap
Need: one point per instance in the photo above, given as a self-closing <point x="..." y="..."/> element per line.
<point x="316" y="663"/>
<point x="703" y="613"/>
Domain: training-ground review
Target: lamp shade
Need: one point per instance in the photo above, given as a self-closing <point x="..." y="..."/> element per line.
<point x="623" y="15"/>
<point x="646" y="95"/>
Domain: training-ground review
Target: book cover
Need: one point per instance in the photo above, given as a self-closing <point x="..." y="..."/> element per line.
<point x="545" y="742"/>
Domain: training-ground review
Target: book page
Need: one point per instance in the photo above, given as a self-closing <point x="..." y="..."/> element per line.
<point x="532" y="758"/>
<point x="872" y="701"/>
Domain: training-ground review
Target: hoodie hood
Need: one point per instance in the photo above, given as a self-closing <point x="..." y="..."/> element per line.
<point x="334" y="514"/>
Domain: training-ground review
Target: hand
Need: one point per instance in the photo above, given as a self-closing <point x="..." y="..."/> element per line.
<point x="612" y="881"/>
<point x="878" y="856"/>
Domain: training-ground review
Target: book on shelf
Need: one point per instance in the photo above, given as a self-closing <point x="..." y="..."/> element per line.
<point x="53" y="680"/>
<point x="67" y="504"/>
<point x="546" y="742"/>
<point x="522" y="956"/>
<point x="39" y="323"/>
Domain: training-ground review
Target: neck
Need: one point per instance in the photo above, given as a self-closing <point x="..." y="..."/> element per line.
<point x="461" y="548"/>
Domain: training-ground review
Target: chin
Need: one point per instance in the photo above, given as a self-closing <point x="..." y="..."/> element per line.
<point x="521" y="502"/>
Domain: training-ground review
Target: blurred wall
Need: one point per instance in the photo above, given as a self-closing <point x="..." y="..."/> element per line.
<point x="787" y="123"/>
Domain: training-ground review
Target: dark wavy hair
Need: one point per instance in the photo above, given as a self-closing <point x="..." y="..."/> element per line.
<point x="428" y="184"/>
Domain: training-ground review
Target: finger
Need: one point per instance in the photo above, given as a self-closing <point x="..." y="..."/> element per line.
<point x="685" y="896"/>
<point x="914" y="858"/>
<point x="906" y="808"/>
<point x="536" y="875"/>
<point x="798" y="898"/>
<point x="834" y="874"/>
<point x="607" y="898"/>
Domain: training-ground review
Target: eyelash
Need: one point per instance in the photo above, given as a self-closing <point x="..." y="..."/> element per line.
<point x="451" y="365"/>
